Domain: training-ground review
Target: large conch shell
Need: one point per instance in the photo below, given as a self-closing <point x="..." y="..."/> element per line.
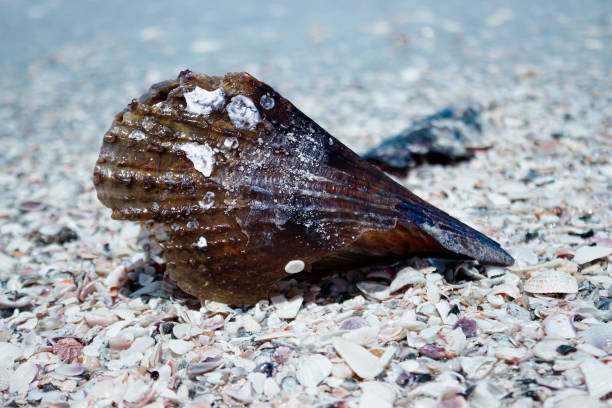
<point x="250" y="190"/>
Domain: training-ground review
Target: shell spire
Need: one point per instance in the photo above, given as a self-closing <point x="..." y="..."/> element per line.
<point x="250" y="190"/>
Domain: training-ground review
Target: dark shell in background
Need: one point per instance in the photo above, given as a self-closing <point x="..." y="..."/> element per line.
<point x="250" y="190"/>
<point x="448" y="136"/>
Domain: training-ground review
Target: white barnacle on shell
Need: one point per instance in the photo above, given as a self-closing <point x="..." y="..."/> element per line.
<point x="137" y="135"/>
<point x="266" y="101"/>
<point x="208" y="200"/>
<point x="202" y="243"/>
<point x="295" y="266"/>
<point x="203" y="102"/>
<point x="201" y="155"/>
<point x="243" y="113"/>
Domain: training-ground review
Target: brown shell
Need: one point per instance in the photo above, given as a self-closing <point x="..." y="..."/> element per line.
<point x="242" y="196"/>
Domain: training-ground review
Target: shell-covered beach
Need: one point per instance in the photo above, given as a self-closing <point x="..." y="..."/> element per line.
<point x="90" y="317"/>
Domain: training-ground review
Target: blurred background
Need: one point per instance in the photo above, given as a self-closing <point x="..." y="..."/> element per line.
<point x="362" y="69"/>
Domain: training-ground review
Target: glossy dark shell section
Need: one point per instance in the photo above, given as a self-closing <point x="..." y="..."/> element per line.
<point x="248" y="187"/>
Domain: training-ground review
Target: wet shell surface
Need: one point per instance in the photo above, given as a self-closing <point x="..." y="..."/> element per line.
<point x="551" y="282"/>
<point x="250" y="190"/>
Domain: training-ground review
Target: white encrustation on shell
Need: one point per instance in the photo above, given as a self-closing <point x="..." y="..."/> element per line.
<point x="242" y="112"/>
<point x="550" y="281"/>
<point x="208" y="201"/>
<point x="230" y="143"/>
<point x="203" y="102"/>
<point x="202" y="243"/>
<point x="201" y="155"/>
<point x="295" y="266"/>
<point x="313" y="369"/>
<point x="137" y="135"/>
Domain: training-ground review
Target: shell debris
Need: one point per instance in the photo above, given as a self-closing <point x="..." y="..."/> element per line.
<point x="99" y="311"/>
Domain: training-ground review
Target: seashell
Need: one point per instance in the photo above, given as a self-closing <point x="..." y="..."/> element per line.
<point x="313" y="369"/>
<point x="196" y="369"/>
<point x="70" y="370"/>
<point x="559" y="325"/>
<point x="22" y="377"/>
<point x="10" y="352"/>
<point x="447" y="136"/>
<point x="361" y="361"/>
<point x="547" y="349"/>
<point x="387" y="334"/>
<point x="250" y="190"/>
<point x="377" y="394"/>
<point x="406" y="276"/>
<point x="467" y="326"/>
<point x="551" y="282"/>
<point x="353" y="323"/>
<point x="588" y="254"/>
<point x="180" y="347"/>
<point x="599" y="336"/>
<point x="597" y="377"/>
<point x="287" y="309"/>
<point x="68" y="348"/>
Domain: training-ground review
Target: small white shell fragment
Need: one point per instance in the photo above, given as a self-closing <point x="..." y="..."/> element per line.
<point x="599" y="336"/>
<point x="22" y="377"/>
<point x="363" y="336"/>
<point x="482" y="397"/>
<point x="360" y="360"/>
<point x="559" y="325"/>
<point x="456" y="340"/>
<point x="203" y="102"/>
<point x="201" y="155"/>
<point x="270" y="387"/>
<point x="180" y="347"/>
<point x="597" y="377"/>
<point x="391" y="333"/>
<point x="588" y="254"/>
<point x="506" y="289"/>
<point x="5" y="378"/>
<point x="117" y="277"/>
<point x="477" y="366"/>
<point x="313" y="369"/>
<point x="510" y="354"/>
<point x="287" y="309"/>
<point x="406" y="276"/>
<point x="547" y="349"/>
<point x="100" y="317"/>
<point x="341" y="370"/>
<point x="550" y="281"/>
<point x="295" y="266"/>
<point x="69" y="370"/>
<point x="9" y="353"/>
<point x="243" y="113"/>
<point x="376" y="394"/>
<point x="374" y="290"/>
